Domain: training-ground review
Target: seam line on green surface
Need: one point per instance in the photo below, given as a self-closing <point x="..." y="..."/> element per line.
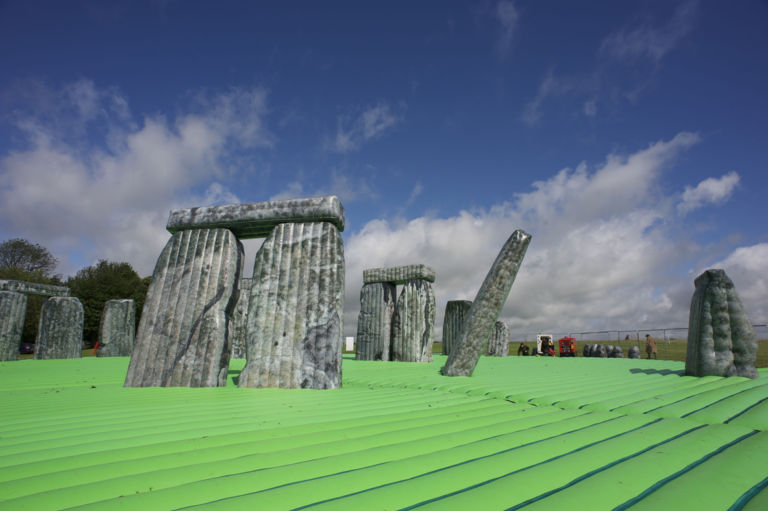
<point x="749" y="495"/>
<point x="718" y="401"/>
<point x="631" y="502"/>
<point x="745" y="410"/>
<point x="468" y="488"/>
<point x="693" y="396"/>
<point x="601" y="469"/>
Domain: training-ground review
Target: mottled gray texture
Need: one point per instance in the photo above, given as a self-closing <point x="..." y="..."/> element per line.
<point x="587" y="350"/>
<point x="721" y="339"/>
<point x="600" y="351"/>
<point x="413" y="324"/>
<point x="617" y="352"/>
<point x="183" y="336"/>
<point x="399" y="274"/>
<point x="609" y="351"/>
<point x="60" y="333"/>
<point x="497" y="344"/>
<point x="296" y="309"/>
<point x="117" y="329"/>
<point x="374" y="323"/>
<point x="485" y="310"/>
<point x="634" y="352"/>
<point x="240" y="319"/>
<point x="257" y="219"/>
<point x="453" y="322"/>
<point x="13" y="307"/>
<point x="32" y="288"/>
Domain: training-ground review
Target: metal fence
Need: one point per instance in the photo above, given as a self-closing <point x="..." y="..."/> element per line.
<point x="671" y="343"/>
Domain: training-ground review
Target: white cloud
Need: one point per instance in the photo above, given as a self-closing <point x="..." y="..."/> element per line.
<point x="114" y="197"/>
<point x="651" y="42"/>
<point x="507" y="16"/>
<point x="710" y="191"/>
<point x="599" y="256"/>
<point x="372" y="122"/>
<point x="549" y="86"/>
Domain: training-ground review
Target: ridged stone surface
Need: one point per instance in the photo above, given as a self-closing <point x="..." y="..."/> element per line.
<point x="453" y="322"/>
<point x="117" y="329"/>
<point x="33" y="288"/>
<point x="374" y="323"/>
<point x="497" y="344"/>
<point x="296" y="309"/>
<point x="399" y="274"/>
<point x="485" y="310"/>
<point x="239" y="319"/>
<point x="183" y="333"/>
<point x="13" y="307"/>
<point x="257" y="219"/>
<point x="413" y="324"/>
<point x="60" y="332"/>
<point x="721" y="339"/>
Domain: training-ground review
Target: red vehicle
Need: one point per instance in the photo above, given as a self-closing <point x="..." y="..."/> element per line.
<point x="567" y="346"/>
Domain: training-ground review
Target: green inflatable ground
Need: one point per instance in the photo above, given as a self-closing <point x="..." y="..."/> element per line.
<point x="523" y="432"/>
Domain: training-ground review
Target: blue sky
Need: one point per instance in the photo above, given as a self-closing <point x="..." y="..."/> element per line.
<point x="627" y="137"/>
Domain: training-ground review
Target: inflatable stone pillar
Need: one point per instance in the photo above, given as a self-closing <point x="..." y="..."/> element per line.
<point x="413" y="323"/>
<point x="183" y="334"/>
<point x="296" y="309"/>
<point x="117" y="329"/>
<point x="497" y="344"/>
<point x="13" y="308"/>
<point x="453" y="322"/>
<point x="721" y="339"/>
<point x="60" y="334"/>
<point x="485" y="310"/>
<point x="374" y="324"/>
<point x="239" y="319"/>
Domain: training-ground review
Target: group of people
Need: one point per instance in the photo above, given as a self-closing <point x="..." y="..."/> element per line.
<point x="548" y="348"/>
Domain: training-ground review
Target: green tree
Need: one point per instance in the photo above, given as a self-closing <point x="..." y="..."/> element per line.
<point x="104" y="281"/>
<point x="28" y="262"/>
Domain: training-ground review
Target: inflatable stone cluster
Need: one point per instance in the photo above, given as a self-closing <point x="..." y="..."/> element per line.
<point x="399" y="330"/>
<point x="603" y="351"/>
<point x="293" y="322"/>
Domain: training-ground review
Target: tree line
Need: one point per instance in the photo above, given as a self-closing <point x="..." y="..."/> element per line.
<point x="93" y="286"/>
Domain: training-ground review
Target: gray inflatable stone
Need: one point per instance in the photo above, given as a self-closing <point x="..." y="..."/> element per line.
<point x="413" y="323"/>
<point x="498" y="345"/>
<point x="240" y="318"/>
<point x="600" y="351"/>
<point x="399" y="274"/>
<point x="183" y="333"/>
<point x="374" y="323"/>
<point x="257" y="219"/>
<point x="587" y="350"/>
<point x="609" y="351"/>
<point x="33" y="288"/>
<point x="485" y="310"/>
<point x="618" y="352"/>
<point x="117" y="329"/>
<point x="13" y="308"/>
<point x="634" y="352"/>
<point x="296" y="309"/>
<point x="721" y="339"/>
<point x="453" y="322"/>
<point x="60" y="334"/>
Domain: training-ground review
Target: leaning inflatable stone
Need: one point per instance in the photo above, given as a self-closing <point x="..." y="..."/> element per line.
<point x="634" y="352"/>
<point x="183" y="333"/>
<point x="721" y="339"/>
<point x="296" y="309"/>
<point x="413" y="323"/>
<point x="60" y="334"/>
<point x="487" y="306"/>
<point x="374" y="323"/>
<point x="13" y="308"/>
<point x="117" y="330"/>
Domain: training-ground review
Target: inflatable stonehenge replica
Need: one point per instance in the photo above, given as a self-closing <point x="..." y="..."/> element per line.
<point x="293" y="321"/>
<point x="60" y="332"/>
<point x="117" y="329"/>
<point x="398" y="330"/>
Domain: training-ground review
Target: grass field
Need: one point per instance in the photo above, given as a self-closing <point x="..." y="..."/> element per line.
<point x="522" y="432"/>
